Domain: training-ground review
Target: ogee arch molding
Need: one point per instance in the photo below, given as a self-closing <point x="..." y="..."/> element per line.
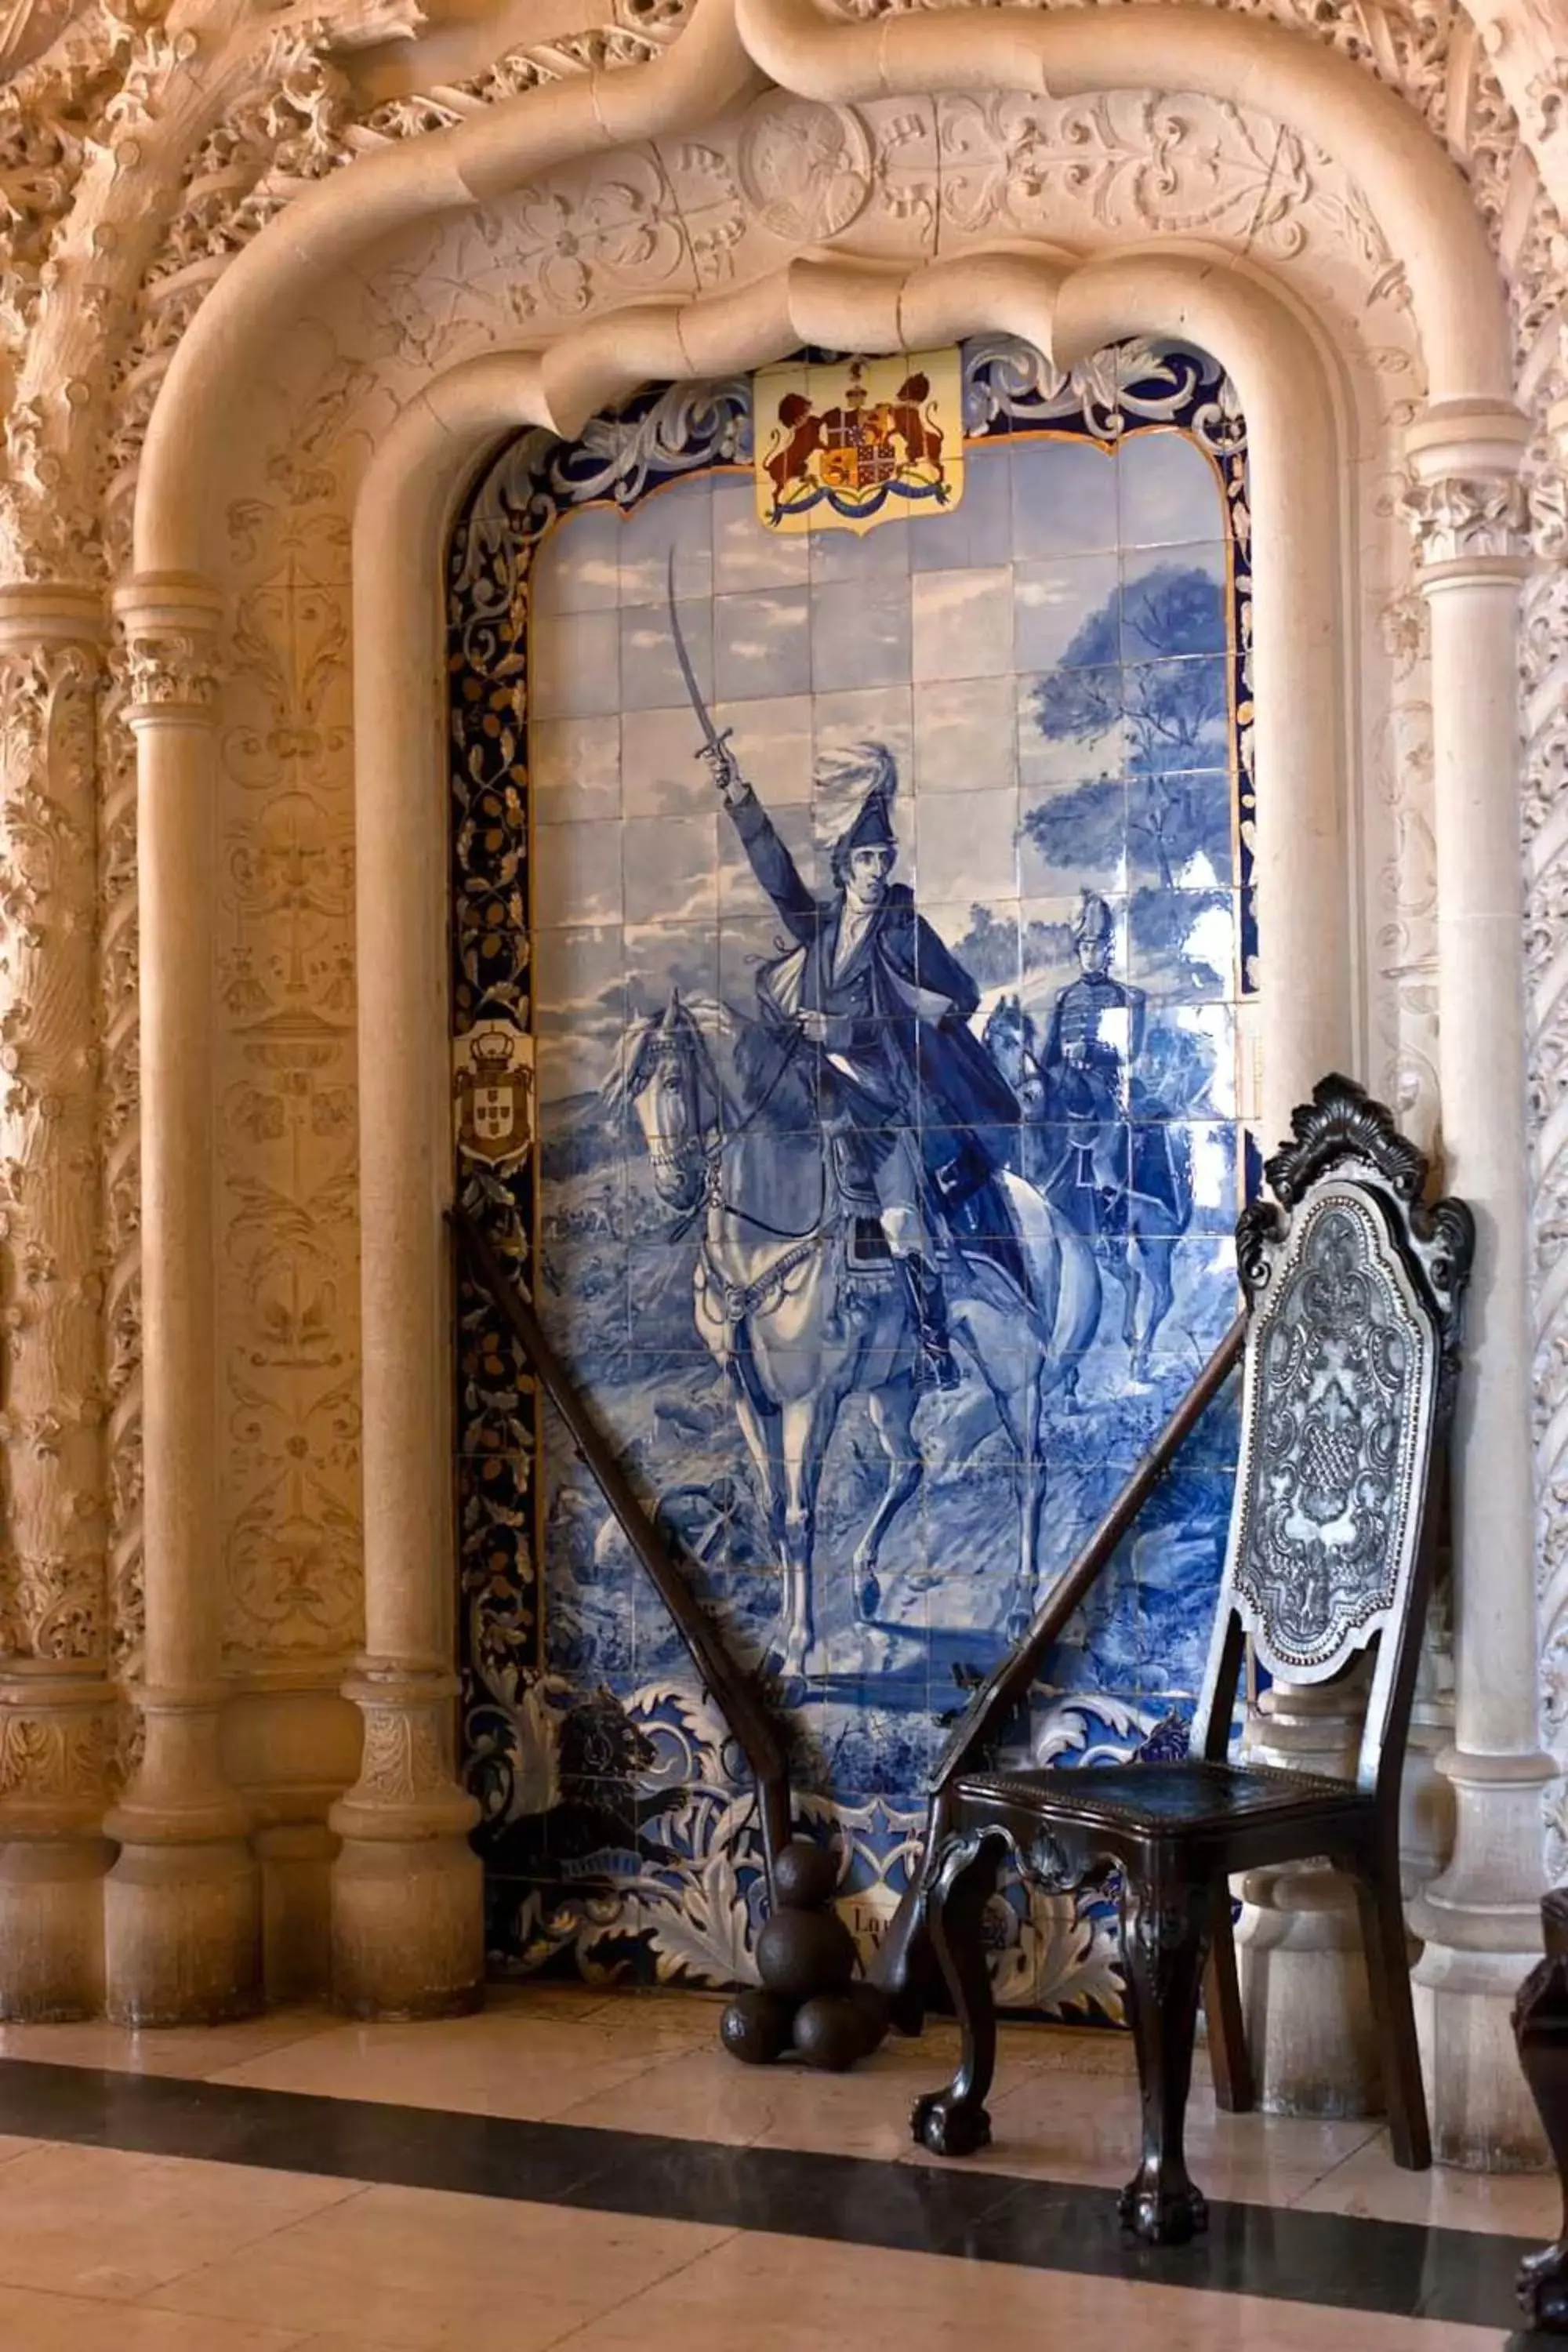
<point x="1416" y="193"/>
<point x="1419" y="198"/>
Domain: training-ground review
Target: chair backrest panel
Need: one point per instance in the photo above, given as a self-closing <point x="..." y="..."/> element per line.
<point x="1338" y="1398"/>
<point x="1354" y="1289"/>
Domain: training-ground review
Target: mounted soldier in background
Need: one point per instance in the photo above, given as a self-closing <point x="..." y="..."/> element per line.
<point x="1095" y="1039"/>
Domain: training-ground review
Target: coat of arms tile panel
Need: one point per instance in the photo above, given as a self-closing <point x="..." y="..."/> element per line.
<point x="852" y="944"/>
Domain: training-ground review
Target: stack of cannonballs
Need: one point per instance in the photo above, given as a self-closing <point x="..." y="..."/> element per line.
<point x="811" y="2000"/>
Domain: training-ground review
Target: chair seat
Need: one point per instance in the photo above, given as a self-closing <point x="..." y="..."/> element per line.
<point x="1185" y="1795"/>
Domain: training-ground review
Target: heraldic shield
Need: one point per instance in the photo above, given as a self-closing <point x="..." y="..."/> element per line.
<point x="492" y="1085"/>
<point x="855" y="444"/>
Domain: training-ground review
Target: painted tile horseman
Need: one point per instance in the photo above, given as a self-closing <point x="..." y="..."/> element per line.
<point x="917" y="1110"/>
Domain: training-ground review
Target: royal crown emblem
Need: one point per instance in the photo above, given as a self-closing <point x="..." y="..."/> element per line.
<point x="853" y="444"/>
<point x="493" y="1087"/>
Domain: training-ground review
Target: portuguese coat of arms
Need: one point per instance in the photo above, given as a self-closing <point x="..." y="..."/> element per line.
<point x="492" y="1085"/>
<point x="854" y="444"/>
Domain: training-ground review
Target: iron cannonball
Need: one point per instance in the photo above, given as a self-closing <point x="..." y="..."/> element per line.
<point x="804" y="1877"/>
<point x="829" y="2033"/>
<point x="754" y="2028"/>
<point x="800" y="1953"/>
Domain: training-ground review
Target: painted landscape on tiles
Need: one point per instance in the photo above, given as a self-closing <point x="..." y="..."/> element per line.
<point x="870" y="910"/>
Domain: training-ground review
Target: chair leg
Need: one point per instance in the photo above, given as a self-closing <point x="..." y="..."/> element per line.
<point x="1388" y="1969"/>
<point x="1229" y="2060"/>
<point x="954" y="2122"/>
<point x="905" y="1967"/>
<point x="1165" y="1937"/>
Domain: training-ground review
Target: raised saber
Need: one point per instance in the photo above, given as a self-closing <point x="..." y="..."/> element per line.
<point x="714" y="739"/>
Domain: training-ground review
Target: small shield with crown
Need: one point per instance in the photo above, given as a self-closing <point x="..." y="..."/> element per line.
<point x="493" y="1085"/>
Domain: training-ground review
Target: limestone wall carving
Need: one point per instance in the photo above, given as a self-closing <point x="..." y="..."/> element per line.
<point x="138" y="160"/>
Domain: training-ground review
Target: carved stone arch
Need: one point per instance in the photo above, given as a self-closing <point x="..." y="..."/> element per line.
<point x="1407" y="308"/>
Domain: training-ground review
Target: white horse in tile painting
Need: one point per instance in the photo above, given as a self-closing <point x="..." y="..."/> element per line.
<point x="800" y="1320"/>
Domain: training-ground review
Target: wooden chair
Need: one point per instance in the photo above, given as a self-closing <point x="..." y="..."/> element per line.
<point x="1352" y="1291"/>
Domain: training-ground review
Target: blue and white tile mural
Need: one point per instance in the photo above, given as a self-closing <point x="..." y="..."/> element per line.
<point x="852" y="910"/>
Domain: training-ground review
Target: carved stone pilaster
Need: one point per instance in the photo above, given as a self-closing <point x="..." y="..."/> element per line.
<point x="183" y="1900"/>
<point x="54" y="1694"/>
<point x="1471" y="512"/>
<point x="407" y="1915"/>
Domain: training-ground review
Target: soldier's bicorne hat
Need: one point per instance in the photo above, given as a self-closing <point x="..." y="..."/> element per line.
<point x="1093" y="921"/>
<point x="871" y="829"/>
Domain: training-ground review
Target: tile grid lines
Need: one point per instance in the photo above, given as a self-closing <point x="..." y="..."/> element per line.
<point x="1331" y="2261"/>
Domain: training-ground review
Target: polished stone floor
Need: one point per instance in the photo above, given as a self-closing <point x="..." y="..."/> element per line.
<point x="588" y="2170"/>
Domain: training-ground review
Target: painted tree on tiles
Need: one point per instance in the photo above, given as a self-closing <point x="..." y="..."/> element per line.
<point x="1138" y="661"/>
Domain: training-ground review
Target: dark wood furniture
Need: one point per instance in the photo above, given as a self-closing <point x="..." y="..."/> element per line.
<point x="1541" y="2033"/>
<point x="1352" y="1291"/>
<point x="906" y="1966"/>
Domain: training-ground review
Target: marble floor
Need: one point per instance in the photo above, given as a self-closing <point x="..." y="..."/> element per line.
<point x="587" y="2170"/>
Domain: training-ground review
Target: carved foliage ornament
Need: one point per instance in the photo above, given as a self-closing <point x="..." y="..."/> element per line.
<point x="52" y="1569"/>
<point x="52" y="1755"/>
<point x="1458" y="517"/>
<point x="166" y="667"/>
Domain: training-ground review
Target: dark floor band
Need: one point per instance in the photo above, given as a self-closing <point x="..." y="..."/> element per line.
<point x="1458" y="2276"/>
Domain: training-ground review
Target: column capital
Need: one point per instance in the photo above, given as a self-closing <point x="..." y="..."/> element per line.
<point x="168" y="622"/>
<point x="1464" y="499"/>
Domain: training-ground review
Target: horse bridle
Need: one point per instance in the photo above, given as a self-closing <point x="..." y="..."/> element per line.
<point x="688" y="1068"/>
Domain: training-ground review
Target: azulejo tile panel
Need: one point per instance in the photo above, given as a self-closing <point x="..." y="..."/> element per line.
<point x="913" y="1005"/>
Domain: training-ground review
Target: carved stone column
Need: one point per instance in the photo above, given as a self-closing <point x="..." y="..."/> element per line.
<point x="1479" y="1920"/>
<point x="407" y="1904"/>
<point x="406" y="1918"/>
<point x="54" y="1694"/>
<point x="1298" y="1945"/>
<point x="183" y="1911"/>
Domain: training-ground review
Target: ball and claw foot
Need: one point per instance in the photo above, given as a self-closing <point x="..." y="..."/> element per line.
<point x="949" y="2127"/>
<point x="1163" y="2212"/>
<point x="1543" y="2287"/>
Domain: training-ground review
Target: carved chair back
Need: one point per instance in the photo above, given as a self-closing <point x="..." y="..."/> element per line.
<point x="1352" y="1289"/>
